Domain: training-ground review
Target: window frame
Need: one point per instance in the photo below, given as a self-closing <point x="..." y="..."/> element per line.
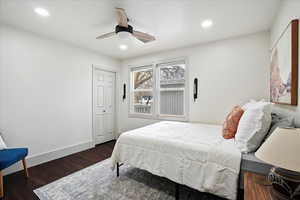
<point x="131" y="93"/>
<point x="155" y="115"/>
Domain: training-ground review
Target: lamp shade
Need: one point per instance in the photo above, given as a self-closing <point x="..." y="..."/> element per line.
<point x="282" y="149"/>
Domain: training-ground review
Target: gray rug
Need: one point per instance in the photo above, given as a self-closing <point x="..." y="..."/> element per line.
<point x="98" y="182"/>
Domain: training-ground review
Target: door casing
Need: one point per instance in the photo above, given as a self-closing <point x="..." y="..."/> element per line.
<point x="116" y="104"/>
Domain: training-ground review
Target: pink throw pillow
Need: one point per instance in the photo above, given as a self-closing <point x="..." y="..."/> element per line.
<point x="231" y="122"/>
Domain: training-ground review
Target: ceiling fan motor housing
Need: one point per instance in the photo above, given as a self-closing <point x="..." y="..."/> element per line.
<point x="128" y="29"/>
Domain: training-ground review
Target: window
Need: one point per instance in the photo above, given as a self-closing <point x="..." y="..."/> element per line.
<point x="142" y="90"/>
<point x="159" y="91"/>
<point x="171" y="89"/>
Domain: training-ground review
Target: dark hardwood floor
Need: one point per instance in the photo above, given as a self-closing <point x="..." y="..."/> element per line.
<point x="16" y="187"/>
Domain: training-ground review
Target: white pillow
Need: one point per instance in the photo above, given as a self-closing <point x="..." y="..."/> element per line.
<point x="2" y="144"/>
<point x="253" y="126"/>
<point x="252" y="103"/>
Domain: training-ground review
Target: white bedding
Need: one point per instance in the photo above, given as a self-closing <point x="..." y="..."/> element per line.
<point x="191" y="154"/>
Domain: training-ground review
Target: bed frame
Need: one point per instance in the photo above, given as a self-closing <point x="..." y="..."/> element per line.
<point x="249" y="163"/>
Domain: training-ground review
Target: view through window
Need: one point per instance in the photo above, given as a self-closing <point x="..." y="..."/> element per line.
<point x="159" y="91"/>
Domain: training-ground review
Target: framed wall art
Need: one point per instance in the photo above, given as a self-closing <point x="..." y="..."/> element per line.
<point x="284" y="66"/>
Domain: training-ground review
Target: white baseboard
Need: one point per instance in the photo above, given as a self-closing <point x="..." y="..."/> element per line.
<point x="48" y="156"/>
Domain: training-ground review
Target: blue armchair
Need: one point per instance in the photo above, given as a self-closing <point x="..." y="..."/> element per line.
<point x="9" y="157"/>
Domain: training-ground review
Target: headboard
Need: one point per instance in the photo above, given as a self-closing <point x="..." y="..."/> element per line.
<point x="288" y="111"/>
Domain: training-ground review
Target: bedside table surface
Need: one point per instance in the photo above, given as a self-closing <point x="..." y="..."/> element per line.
<point x="255" y="188"/>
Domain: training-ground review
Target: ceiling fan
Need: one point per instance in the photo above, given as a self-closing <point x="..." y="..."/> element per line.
<point x="123" y="29"/>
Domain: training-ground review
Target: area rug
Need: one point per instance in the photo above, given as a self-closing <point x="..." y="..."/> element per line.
<point x="99" y="182"/>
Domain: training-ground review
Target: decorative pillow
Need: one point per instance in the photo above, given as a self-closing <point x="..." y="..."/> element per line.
<point x="231" y="122"/>
<point x="2" y="144"/>
<point x="253" y="126"/>
<point x="252" y="103"/>
<point x="249" y="104"/>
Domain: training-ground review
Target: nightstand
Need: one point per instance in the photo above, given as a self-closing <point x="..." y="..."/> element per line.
<point x="256" y="187"/>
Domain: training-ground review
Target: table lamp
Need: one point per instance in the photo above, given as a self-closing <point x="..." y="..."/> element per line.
<point x="282" y="150"/>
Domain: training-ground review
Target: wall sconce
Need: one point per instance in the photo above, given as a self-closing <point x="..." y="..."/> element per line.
<point x="124" y="91"/>
<point x="195" y="89"/>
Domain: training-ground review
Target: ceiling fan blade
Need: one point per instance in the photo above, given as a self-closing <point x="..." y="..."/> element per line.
<point x="106" y="35"/>
<point x="122" y="17"/>
<point x="144" y="37"/>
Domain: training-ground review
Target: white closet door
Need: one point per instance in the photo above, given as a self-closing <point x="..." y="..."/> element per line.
<point x="104" y="103"/>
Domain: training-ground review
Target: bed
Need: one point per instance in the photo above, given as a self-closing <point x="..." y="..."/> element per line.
<point x="191" y="154"/>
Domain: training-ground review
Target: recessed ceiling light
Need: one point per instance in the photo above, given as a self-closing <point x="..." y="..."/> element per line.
<point x="207" y="23"/>
<point x="123" y="47"/>
<point x="41" y="11"/>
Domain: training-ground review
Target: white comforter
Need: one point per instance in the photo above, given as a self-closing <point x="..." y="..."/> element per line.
<point x="192" y="154"/>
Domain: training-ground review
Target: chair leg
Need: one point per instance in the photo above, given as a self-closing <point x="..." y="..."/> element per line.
<point x="176" y="191"/>
<point x="25" y="168"/>
<point x="118" y="169"/>
<point x="1" y="185"/>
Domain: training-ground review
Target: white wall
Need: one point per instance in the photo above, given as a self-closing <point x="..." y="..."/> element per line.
<point x="230" y="72"/>
<point x="45" y="87"/>
<point x="46" y="92"/>
<point x="289" y="10"/>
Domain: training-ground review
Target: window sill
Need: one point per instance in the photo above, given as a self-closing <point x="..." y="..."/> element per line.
<point x="152" y="117"/>
<point x="142" y="116"/>
<point x="173" y="118"/>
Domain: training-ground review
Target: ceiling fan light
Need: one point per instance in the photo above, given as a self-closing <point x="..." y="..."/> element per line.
<point x="124" y="35"/>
